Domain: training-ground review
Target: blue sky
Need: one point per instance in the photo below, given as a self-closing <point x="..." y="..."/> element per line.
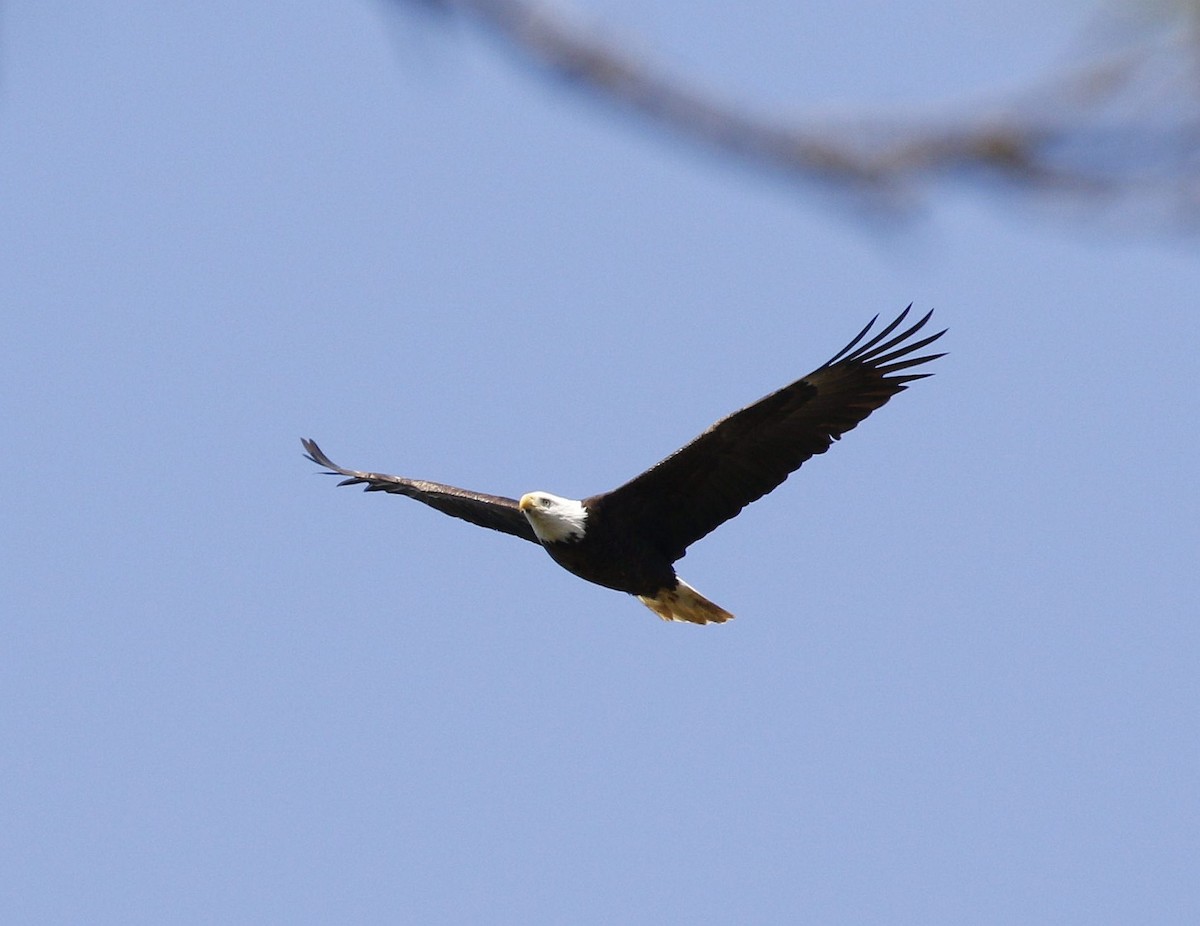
<point x="962" y="684"/>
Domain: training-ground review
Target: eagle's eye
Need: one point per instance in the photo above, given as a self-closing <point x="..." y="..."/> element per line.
<point x="544" y="502"/>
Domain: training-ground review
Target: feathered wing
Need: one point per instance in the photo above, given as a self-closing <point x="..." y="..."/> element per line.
<point x="747" y="454"/>
<point x="492" y="511"/>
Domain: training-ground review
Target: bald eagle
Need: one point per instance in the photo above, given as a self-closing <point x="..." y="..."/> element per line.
<point x="628" y="539"/>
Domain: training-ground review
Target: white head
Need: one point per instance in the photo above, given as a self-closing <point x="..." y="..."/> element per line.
<point x="554" y="519"/>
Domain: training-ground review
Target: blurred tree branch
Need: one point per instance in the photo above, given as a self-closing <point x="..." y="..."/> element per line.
<point x="1121" y="131"/>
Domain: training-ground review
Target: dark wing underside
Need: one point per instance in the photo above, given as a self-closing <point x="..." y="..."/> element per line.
<point x="493" y="511"/>
<point x="747" y="454"/>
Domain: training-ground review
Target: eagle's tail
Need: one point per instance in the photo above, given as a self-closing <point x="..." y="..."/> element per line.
<point x="684" y="603"/>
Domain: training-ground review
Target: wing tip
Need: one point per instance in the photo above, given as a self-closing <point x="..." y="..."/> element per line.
<point x="313" y="452"/>
<point x="884" y="351"/>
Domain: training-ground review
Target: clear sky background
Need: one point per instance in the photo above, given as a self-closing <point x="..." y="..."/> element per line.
<point x="963" y="682"/>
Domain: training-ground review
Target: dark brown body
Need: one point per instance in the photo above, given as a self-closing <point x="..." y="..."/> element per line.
<point x="615" y="559"/>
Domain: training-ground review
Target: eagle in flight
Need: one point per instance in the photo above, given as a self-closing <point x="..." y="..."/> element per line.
<point x="628" y="539"/>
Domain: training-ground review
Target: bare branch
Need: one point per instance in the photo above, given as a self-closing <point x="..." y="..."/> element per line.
<point x="1122" y="130"/>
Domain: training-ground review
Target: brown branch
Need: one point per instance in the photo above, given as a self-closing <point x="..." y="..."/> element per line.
<point x="1091" y="135"/>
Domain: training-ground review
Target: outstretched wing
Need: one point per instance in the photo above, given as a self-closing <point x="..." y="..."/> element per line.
<point x="493" y="511"/>
<point x="747" y="454"/>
